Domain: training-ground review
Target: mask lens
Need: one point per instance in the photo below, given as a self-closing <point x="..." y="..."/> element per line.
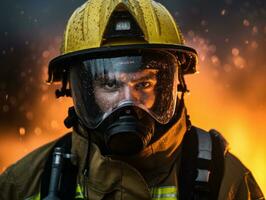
<point x="146" y="79"/>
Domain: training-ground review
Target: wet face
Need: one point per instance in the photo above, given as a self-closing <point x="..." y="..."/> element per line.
<point x="118" y="87"/>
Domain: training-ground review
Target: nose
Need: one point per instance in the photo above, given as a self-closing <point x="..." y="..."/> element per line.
<point x="128" y="94"/>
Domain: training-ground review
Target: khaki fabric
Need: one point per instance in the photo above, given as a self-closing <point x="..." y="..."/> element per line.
<point x="22" y="179"/>
<point x="238" y="182"/>
<point x="111" y="179"/>
<point x="130" y="178"/>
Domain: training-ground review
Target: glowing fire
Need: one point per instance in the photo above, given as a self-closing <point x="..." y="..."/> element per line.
<point x="242" y="127"/>
<point x="210" y="106"/>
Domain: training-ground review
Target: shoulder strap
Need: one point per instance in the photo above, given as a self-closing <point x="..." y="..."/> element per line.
<point x="220" y="148"/>
<point x="68" y="180"/>
<point x="202" y="165"/>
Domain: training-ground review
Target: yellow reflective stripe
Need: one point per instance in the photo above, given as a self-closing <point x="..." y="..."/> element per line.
<point x="165" y="198"/>
<point x="79" y="194"/>
<point x="164" y="190"/>
<point x="158" y="193"/>
<point x="35" y="197"/>
<point x="164" y="193"/>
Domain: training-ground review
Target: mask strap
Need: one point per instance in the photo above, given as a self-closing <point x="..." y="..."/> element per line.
<point x="64" y="91"/>
<point x="182" y="87"/>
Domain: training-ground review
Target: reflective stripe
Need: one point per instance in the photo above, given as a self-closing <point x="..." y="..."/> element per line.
<point x="35" y="197"/>
<point x="79" y="194"/>
<point x="164" y="193"/>
<point x="203" y="175"/>
<point x="205" y="145"/>
<point x="204" y="152"/>
<point x="157" y="193"/>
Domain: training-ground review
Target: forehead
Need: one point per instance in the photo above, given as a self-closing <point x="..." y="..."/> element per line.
<point x="134" y="76"/>
<point x="145" y="74"/>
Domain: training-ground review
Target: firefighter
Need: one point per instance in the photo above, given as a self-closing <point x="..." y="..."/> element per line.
<point x="123" y="62"/>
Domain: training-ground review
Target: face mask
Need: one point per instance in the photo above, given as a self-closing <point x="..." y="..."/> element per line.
<point x="127" y="131"/>
<point x="122" y="97"/>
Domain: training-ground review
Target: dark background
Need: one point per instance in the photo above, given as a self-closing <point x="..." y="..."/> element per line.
<point x="30" y="34"/>
<point x="229" y="94"/>
<point x="30" y="30"/>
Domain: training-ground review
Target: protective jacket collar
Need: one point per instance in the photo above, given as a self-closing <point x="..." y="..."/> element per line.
<point x="130" y="177"/>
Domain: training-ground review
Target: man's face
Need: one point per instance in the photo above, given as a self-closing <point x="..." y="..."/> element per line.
<point x="118" y="87"/>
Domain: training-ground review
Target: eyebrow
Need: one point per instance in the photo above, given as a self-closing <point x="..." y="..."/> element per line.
<point x="150" y="75"/>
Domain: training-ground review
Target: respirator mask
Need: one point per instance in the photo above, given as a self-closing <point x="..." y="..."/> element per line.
<point x="122" y="95"/>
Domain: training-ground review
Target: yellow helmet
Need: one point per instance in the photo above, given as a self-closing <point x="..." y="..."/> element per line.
<point x="116" y="25"/>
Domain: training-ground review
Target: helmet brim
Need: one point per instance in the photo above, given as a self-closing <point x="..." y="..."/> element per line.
<point x="188" y="57"/>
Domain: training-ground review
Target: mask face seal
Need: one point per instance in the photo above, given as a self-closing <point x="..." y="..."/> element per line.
<point x="123" y="96"/>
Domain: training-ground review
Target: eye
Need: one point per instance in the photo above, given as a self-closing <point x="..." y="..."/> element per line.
<point x="143" y="85"/>
<point x="110" y="85"/>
